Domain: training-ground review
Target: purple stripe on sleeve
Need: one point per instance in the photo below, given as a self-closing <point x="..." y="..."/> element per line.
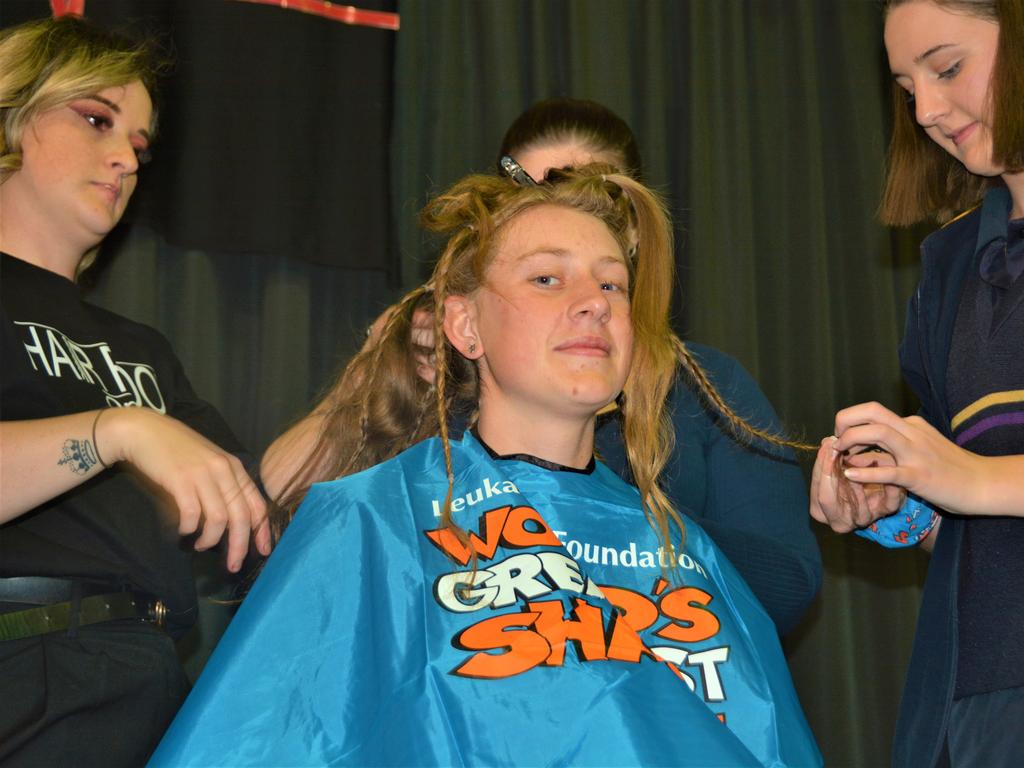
<point x="1000" y="420"/>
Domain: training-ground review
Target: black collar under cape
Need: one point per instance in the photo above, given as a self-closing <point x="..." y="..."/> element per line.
<point x="535" y="460"/>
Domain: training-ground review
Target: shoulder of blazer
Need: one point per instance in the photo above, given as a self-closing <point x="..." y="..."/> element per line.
<point x="960" y="215"/>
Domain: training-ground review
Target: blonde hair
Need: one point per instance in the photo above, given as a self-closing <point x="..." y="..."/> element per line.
<point x="381" y="406"/>
<point x="923" y="180"/>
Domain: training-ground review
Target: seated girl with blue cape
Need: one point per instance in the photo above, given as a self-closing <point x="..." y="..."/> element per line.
<point x="501" y="598"/>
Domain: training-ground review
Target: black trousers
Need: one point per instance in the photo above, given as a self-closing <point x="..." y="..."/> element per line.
<point x="101" y="698"/>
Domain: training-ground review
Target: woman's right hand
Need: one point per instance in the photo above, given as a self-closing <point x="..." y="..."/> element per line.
<point x="211" y="489"/>
<point x="42" y="458"/>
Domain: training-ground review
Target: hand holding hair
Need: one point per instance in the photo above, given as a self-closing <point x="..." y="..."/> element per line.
<point x="842" y="503"/>
<point x="931" y="466"/>
<point x="422" y="339"/>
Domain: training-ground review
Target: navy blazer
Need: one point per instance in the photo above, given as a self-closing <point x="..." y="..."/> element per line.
<point x="946" y="257"/>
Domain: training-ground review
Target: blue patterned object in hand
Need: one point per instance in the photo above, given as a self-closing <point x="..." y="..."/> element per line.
<point x="904" y="528"/>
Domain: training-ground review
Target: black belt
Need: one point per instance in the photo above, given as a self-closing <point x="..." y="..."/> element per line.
<point x="66" y="604"/>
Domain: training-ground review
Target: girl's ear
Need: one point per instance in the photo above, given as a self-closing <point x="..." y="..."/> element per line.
<point x="460" y="326"/>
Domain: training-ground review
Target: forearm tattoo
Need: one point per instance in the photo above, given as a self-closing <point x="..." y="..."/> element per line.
<point x="79" y="455"/>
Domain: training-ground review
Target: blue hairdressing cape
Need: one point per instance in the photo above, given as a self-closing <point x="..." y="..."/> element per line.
<point x="371" y="638"/>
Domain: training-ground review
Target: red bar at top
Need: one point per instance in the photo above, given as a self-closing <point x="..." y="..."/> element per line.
<point x="64" y="7"/>
<point x="347" y="14"/>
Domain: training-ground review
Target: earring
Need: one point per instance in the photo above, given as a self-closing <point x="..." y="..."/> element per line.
<point x="472" y="347"/>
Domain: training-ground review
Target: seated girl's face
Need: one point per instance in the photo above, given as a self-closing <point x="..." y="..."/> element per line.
<point x="552" y="323"/>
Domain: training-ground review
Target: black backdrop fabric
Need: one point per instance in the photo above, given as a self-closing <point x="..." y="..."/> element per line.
<point x="273" y="131"/>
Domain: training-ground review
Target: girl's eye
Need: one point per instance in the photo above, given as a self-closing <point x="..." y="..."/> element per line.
<point x="143" y="155"/>
<point x="949" y="74"/>
<point x="908" y="96"/>
<point x="611" y="287"/>
<point x="99" y="122"/>
<point x="546" y="280"/>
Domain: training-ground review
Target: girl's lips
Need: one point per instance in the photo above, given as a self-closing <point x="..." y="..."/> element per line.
<point x="110" y="191"/>
<point x="963" y="134"/>
<point x="588" y="345"/>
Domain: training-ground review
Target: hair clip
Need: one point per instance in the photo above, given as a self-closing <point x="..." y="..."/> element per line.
<point x="515" y="172"/>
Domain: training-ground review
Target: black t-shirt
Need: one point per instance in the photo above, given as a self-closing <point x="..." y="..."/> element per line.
<point x="61" y="355"/>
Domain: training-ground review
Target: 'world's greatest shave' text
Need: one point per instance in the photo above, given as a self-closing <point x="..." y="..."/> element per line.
<point x="540" y="602"/>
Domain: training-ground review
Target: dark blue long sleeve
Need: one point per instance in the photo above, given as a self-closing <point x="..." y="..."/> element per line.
<point x="752" y="500"/>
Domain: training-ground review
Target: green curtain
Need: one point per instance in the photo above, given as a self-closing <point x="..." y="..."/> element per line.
<point x="764" y="122"/>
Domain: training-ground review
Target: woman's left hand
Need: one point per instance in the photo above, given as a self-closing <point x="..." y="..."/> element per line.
<point x="863" y="504"/>
<point x="929" y="465"/>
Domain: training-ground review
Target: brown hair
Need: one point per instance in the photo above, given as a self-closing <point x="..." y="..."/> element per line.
<point x="593" y="125"/>
<point x="381" y="406"/>
<point x="922" y="179"/>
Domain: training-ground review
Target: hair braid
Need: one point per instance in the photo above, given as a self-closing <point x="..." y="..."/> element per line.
<point x="742" y="429"/>
<point x="359" y="428"/>
<point x="443" y="372"/>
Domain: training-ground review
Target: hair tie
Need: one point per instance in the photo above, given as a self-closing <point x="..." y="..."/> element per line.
<point x="95" y="447"/>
